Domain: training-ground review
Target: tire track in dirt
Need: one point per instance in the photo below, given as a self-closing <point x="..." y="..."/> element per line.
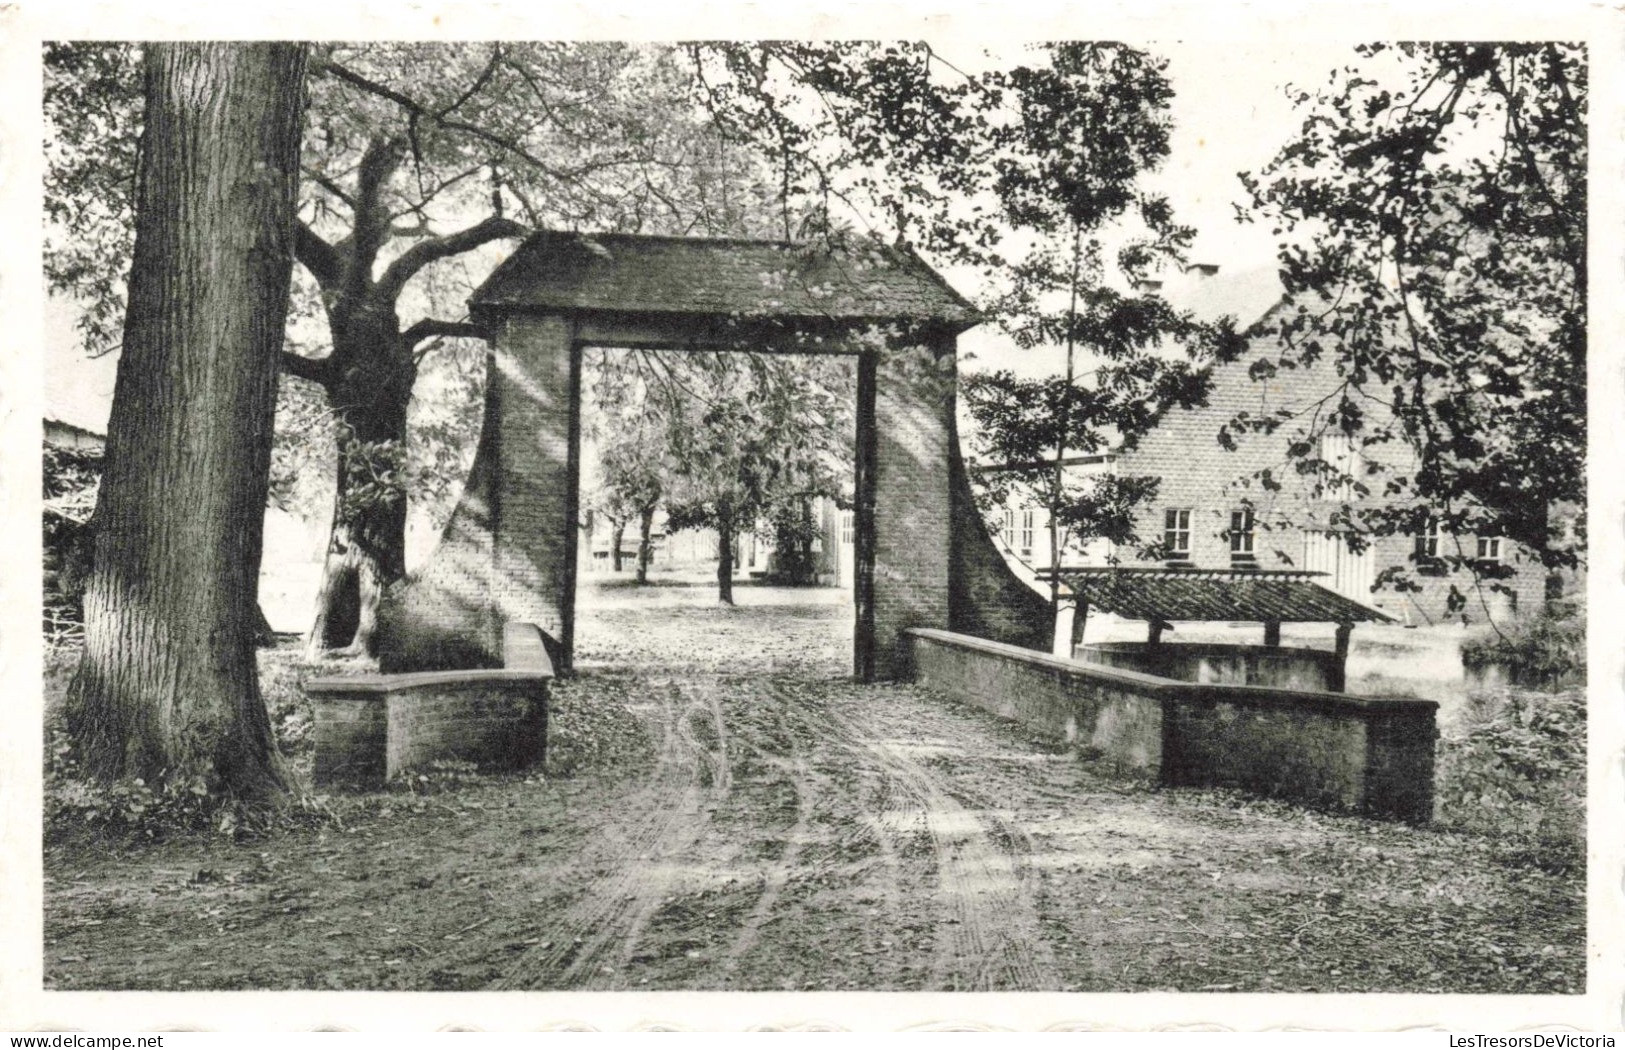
<point x="614" y="911"/>
<point x="992" y="939"/>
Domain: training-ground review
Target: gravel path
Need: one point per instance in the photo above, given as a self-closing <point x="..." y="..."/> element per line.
<point x="726" y="810"/>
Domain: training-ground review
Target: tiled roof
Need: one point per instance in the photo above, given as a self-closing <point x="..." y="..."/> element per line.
<point x="631" y="273"/>
<point x="1200" y="594"/>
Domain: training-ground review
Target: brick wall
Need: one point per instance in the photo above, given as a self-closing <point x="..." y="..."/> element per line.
<point x="914" y="393"/>
<point x="1198" y="473"/>
<point x="370" y="728"/>
<point x="986" y="598"/>
<point x="537" y="374"/>
<point x="508" y="552"/>
<point x="1114" y="715"/>
<point x="441" y="617"/>
<point x="1327" y="749"/>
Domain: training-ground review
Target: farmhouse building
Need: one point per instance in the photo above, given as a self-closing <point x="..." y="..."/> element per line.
<point x="1215" y="510"/>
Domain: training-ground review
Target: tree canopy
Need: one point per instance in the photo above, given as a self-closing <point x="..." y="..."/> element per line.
<point x="1433" y="212"/>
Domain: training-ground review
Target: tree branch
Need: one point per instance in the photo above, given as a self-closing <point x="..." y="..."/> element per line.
<point x="316" y="370"/>
<point x="423" y="253"/>
<point x="430" y="328"/>
<point x="316" y="255"/>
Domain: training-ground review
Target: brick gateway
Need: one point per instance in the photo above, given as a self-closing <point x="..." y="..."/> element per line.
<point x="508" y="554"/>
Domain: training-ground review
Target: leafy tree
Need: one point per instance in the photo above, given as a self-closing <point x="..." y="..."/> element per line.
<point x="1024" y="174"/>
<point x="1091" y="124"/>
<point x="167" y="690"/>
<point x="750" y="435"/>
<point x="633" y="470"/>
<point x="1433" y="213"/>
<point x="406" y="145"/>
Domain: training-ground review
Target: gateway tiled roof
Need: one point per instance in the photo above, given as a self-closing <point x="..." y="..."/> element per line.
<point x="1200" y="594"/>
<point x="687" y="275"/>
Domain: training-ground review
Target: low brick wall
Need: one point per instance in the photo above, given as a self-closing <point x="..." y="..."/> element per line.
<point x="371" y="728"/>
<point x="1115" y="714"/>
<point x="1314" y="670"/>
<point x="1328" y="749"/>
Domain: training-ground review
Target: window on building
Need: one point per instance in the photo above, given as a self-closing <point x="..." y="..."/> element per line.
<point x="846" y="526"/>
<point x="1489" y="549"/>
<point x="1026" y="532"/>
<point x="1241" y="537"/>
<point x="1430" y="549"/>
<point x="1007" y="531"/>
<point x="1176" y="533"/>
<point x="1343" y="460"/>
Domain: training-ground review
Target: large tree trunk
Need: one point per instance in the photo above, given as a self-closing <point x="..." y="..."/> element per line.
<point x="725" y="563"/>
<point x="167" y="688"/>
<point x="366" y="550"/>
<point x="617" y="536"/>
<point x="646" y="522"/>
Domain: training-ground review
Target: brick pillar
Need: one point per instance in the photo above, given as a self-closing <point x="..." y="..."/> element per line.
<point x="508" y="553"/>
<point x="913" y="508"/>
<point x="534" y="559"/>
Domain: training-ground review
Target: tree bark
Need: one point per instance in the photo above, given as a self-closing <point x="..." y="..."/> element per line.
<point x="167" y="689"/>
<point x="368" y="378"/>
<point x="617" y="536"/>
<point x="725" y="561"/>
<point x="366" y="550"/>
<point x="646" y="522"/>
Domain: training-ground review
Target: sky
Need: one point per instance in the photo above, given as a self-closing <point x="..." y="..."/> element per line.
<point x="1230" y="114"/>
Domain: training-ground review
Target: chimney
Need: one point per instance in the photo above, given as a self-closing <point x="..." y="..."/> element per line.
<point x="1201" y="271"/>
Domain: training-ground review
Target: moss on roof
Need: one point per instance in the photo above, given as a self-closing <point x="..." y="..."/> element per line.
<point x="631" y="273"/>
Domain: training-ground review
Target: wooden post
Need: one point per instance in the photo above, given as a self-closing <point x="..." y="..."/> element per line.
<point x="863" y="581"/>
<point x="1272" y="633"/>
<point x="1154" y="637"/>
<point x="1079" y="618"/>
<point x="1339" y="681"/>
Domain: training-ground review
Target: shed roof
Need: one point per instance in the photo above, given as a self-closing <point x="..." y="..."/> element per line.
<point x="1284" y="596"/>
<point x="633" y="273"/>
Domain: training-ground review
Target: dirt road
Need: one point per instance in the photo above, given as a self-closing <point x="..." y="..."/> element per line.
<point x="782" y="828"/>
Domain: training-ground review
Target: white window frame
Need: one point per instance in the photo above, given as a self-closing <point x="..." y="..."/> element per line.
<point x="1176" y="524"/>
<point x="1241" y="534"/>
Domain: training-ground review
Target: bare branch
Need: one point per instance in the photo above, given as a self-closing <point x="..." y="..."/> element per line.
<point x="423" y="253"/>
<point x="430" y="328"/>
<point x="315" y="369"/>
<point x="316" y="255"/>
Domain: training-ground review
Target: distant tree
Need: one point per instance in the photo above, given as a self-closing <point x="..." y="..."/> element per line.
<point x="750" y="435"/>
<point x="632" y="467"/>
<point x="1433" y="209"/>
<point x="167" y="688"/>
<point x="1091" y="124"/>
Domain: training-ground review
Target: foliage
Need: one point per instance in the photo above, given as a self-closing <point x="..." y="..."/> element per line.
<point x="1517" y="773"/>
<point x="1052" y="152"/>
<point x="753" y="434"/>
<point x="1433" y="207"/>
<point x="70" y="477"/>
<point x="91" y="107"/>
<point x="1546" y="650"/>
<point x="77" y="803"/>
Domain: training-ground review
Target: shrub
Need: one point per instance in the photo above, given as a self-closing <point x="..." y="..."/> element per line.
<point x="128" y="807"/>
<point x="1547" y="651"/>
<point x="1516" y="771"/>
